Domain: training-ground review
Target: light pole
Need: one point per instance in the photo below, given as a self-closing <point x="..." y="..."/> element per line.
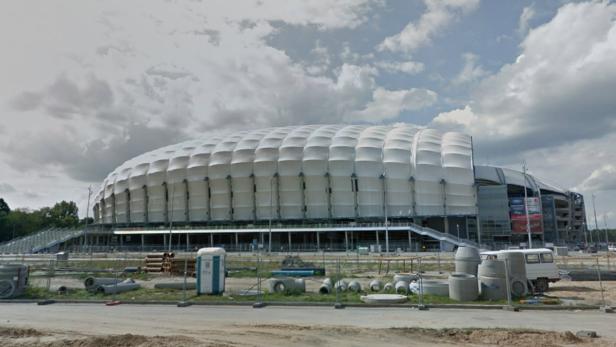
<point x="269" y="239"/>
<point x="594" y="211"/>
<point x="528" y="231"/>
<point x="607" y="241"/>
<point x="458" y="229"/>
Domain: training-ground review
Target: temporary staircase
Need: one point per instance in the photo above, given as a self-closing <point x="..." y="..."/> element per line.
<point x="41" y="241"/>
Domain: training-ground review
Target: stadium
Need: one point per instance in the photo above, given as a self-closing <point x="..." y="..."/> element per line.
<point x="329" y="187"/>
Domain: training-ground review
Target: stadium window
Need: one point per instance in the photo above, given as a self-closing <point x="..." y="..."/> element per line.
<point x="547" y="258"/>
<point x="532" y="259"/>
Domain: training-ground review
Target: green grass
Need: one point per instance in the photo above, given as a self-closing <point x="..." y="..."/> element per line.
<point x="148" y="294"/>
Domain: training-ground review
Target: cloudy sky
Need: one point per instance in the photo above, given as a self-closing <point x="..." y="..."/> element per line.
<point x="86" y="85"/>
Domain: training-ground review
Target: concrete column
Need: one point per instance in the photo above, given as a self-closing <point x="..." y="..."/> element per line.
<point x="145" y="204"/>
<point x="377" y="237"/>
<point x="237" y="242"/>
<point x="410" y="243"/>
<point x="289" y="236"/>
<point x="167" y="219"/>
<point x="254" y="197"/>
<point x="114" y="217"/>
<point x="187" y="242"/>
<point x="230" y="185"/>
<point x="354" y="188"/>
<point x="121" y="241"/>
<point x="346" y="241"/>
<point x="211" y="239"/>
<point x="127" y="206"/>
<point x="302" y="189"/>
<point x="142" y="242"/>
<point x="329" y="195"/>
<point x="164" y="241"/>
<point x="209" y="199"/>
<point x="318" y="242"/>
<point x="186" y="201"/>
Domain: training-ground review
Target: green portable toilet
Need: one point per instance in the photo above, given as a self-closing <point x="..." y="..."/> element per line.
<point x="211" y="270"/>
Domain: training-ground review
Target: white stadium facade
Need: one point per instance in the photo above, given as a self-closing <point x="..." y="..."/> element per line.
<point x="328" y="187"/>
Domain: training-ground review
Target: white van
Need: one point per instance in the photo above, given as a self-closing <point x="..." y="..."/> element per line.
<point x="540" y="266"/>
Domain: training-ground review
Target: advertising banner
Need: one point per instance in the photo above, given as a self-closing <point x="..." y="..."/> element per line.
<point x="518" y="215"/>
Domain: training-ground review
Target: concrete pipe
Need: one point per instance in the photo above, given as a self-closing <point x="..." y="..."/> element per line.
<point x="463" y="287"/>
<point x="325" y="288"/>
<point x="491" y="268"/>
<point x="389" y="287"/>
<point x="467" y="260"/>
<point x="402" y="287"/>
<point x="436" y="288"/>
<point x="7" y="289"/>
<point x="376" y="285"/>
<point x="175" y="285"/>
<point x="493" y="288"/>
<point x="92" y="283"/>
<point x="328" y="281"/>
<point x="286" y="285"/>
<point x="405" y="277"/>
<point x="354" y="287"/>
<point x="117" y="288"/>
<point x="341" y="286"/>
<point x="17" y="273"/>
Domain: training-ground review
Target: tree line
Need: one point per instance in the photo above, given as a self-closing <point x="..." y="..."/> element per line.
<point x="22" y="222"/>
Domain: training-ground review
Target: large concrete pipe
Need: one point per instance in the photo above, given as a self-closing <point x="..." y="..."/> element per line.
<point x="405" y="277"/>
<point x="326" y="287"/>
<point x="467" y="260"/>
<point x="92" y="283"/>
<point x="463" y="287"/>
<point x="354" y="286"/>
<point x="286" y="285"/>
<point x="18" y="275"/>
<point x="389" y="287"/>
<point x="341" y="286"/>
<point x="121" y="287"/>
<point x="402" y="287"/>
<point x="517" y="272"/>
<point x="376" y="285"/>
<point x="7" y="288"/>
<point x="492" y="281"/>
<point x="436" y="288"/>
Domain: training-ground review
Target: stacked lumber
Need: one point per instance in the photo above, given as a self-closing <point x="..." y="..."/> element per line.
<point x="158" y="262"/>
<point x="176" y="266"/>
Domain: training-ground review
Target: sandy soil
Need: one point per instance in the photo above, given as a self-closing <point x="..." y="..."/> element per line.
<point x="584" y="292"/>
<point x="284" y="335"/>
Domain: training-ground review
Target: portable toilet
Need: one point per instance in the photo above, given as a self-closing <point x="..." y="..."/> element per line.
<point x="211" y="270"/>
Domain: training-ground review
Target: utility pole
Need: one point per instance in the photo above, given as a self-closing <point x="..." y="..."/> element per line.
<point x="607" y="241"/>
<point x="85" y="227"/>
<point x="594" y="210"/>
<point x="528" y="231"/>
<point x="269" y="240"/>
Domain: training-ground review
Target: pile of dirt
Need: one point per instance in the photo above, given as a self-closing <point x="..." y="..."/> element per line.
<point x="15" y="333"/>
<point x="126" y="340"/>
<point x="497" y="337"/>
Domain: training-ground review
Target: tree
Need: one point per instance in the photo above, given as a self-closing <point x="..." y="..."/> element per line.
<point x="64" y="214"/>
<point x="4" y="207"/>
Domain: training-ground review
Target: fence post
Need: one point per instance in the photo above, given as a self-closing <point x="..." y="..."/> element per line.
<point x="259" y="303"/>
<point x="420" y="304"/>
<point x="338" y="304"/>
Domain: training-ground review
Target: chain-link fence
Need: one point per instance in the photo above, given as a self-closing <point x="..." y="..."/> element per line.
<point x="320" y="278"/>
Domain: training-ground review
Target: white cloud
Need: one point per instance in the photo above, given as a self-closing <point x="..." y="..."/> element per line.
<point x="528" y="13"/>
<point x="558" y="91"/>
<point x="456" y="118"/>
<point x="407" y="67"/>
<point x="602" y="178"/>
<point x="439" y="14"/>
<point x="388" y="104"/>
<point x="471" y="71"/>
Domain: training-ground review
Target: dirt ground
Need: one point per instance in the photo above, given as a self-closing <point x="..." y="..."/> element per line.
<point x="584" y="292"/>
<point x="284" y="335"/>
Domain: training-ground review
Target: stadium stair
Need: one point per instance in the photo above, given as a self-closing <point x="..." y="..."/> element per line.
<point x="41" y="241"/>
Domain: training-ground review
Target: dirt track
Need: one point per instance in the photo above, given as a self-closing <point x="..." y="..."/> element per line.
<point x="284" y="335"/>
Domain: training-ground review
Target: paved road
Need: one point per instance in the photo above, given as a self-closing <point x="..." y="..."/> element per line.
<point x="169" y="320"/>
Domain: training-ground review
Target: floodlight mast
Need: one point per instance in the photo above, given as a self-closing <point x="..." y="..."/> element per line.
<point x="528" y="231"/>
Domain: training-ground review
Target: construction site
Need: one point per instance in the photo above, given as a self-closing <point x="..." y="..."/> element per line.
<point x="395" y="218"/>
